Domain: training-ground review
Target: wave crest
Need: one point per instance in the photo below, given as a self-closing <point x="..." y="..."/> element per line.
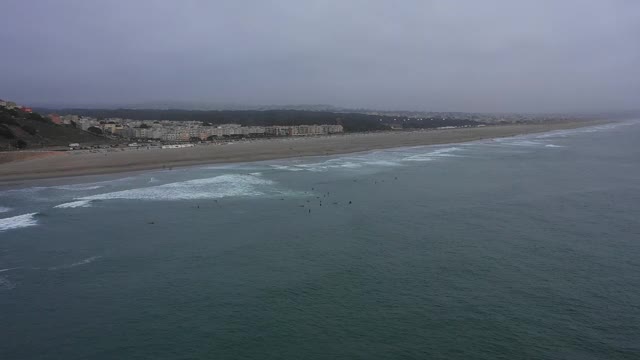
<point x="208" y="188"/>
<point x="17" y="222"/>
<point x="74" y="204"/>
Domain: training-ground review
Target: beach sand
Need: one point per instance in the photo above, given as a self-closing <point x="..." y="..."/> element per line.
<point x="10" y="156"/>
<point x="94" y="163"/>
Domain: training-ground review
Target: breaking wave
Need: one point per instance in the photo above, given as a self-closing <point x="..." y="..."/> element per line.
<point x="79" y="187"/>
<point x="287" y="167"/>
<point x="347" y="162"/>
<point x="74" y="204"/>
<point x="587" y="129"/>
<point x="433" y="155"/>
<point x="522" y="143"/>
<point x="17" y="222"/>
<point x="208" y="188"/>
<point x="4" y="209"/>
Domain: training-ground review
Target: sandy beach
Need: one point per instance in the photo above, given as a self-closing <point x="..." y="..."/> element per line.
<point x="76" y="163"/>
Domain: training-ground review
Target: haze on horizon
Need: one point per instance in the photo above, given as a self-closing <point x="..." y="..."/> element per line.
<point x="487" y="56"/>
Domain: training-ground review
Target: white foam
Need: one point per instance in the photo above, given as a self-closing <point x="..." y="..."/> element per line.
<point x="17" y="222"/>
<point x="433" y="155"/>
<point x="445" y="151"/>
<point x="208" y="188"/>
<point x="588" y="129"/>
<point x="348" y="162"/>
<point x="79" y="187"/>
<point x="553" y="146"/>
<point x="4" y="209"/>
<point x="524" y="143"/>
<point x="74" y="204"/>
<point x="339" y="163"/>
<point x="5" y="284"/>
<point x="423" y="157"/>
<point x="287" y="168"/>
<point x="79" y="263"/>
<point x="381" y="163"/>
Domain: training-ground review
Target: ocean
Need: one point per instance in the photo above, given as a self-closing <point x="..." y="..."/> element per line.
<point x="516" y="248"/>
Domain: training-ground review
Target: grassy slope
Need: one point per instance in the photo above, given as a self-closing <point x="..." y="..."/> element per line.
<point x="39" y="132"/>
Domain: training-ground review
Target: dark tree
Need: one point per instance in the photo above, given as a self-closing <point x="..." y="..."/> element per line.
<point x="6" y="132"/>
<point x="29" y="129"/>
<point x="6" y="118"/>
<point x="38" y="117"/>
<point x="19" y="144"/>
<point x="95" y="130"/>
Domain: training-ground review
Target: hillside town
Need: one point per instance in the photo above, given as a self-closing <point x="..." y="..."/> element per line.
<point x="177" y="131"/>
<point x="10" y="105"/>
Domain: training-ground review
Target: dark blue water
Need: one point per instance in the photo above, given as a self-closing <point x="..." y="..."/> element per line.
<point x="520" y="248"/>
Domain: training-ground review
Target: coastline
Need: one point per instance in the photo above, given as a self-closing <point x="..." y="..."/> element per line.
<point x="73" y="164"/>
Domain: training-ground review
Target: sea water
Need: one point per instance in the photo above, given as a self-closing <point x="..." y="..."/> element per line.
<point x="516" y="248"/>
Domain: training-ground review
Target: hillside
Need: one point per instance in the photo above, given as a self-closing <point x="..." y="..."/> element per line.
<point x="24" y="130"/>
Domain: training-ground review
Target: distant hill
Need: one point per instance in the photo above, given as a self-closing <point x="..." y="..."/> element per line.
<point x="27" y="130"/>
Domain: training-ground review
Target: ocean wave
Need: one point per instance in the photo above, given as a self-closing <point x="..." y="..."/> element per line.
<point x="78" y="187"/>
<point x="74" y="204"/>
<point x="382" y="163"/>
<point x="587" y="129"/>
<point x="233" y="166"/>
<point x="4" y="209"/>
<point x="209" y="188"/>
<point x="330" y="164"/>
<point x="553" y="146"/>
<point x="348" y="162"/>
<point x="520" y="142"/>
<point x="433" y="155"/>
<point x="79" y="263"/>
<point x="287" y="167"/>
<point x="17" y="222"/>
<point x="5" y="284"/>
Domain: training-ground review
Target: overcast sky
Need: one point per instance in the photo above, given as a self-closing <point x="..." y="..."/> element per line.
<point x="489" y="55"/>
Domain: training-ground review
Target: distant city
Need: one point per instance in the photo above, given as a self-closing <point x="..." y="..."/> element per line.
<point x="177" y="131"/>
<point x="24" y="127"/>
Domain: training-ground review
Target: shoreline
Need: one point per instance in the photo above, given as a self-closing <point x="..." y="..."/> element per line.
<point x="79" y="164"/>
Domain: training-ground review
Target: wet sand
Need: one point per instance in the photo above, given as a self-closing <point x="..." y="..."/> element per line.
<point x="93" y="163"/>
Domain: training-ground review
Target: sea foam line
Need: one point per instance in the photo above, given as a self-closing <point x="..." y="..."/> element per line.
<point x="208" y="188"/>
<point x="78" y="187"/>
<point x="81" y="262"/>
<point x="17" y="222"/>
<point x="74" y="204"/>
<point x="434" y="154"/>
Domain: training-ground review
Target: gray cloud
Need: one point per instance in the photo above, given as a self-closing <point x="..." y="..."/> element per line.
<point x="492" y="55"/>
